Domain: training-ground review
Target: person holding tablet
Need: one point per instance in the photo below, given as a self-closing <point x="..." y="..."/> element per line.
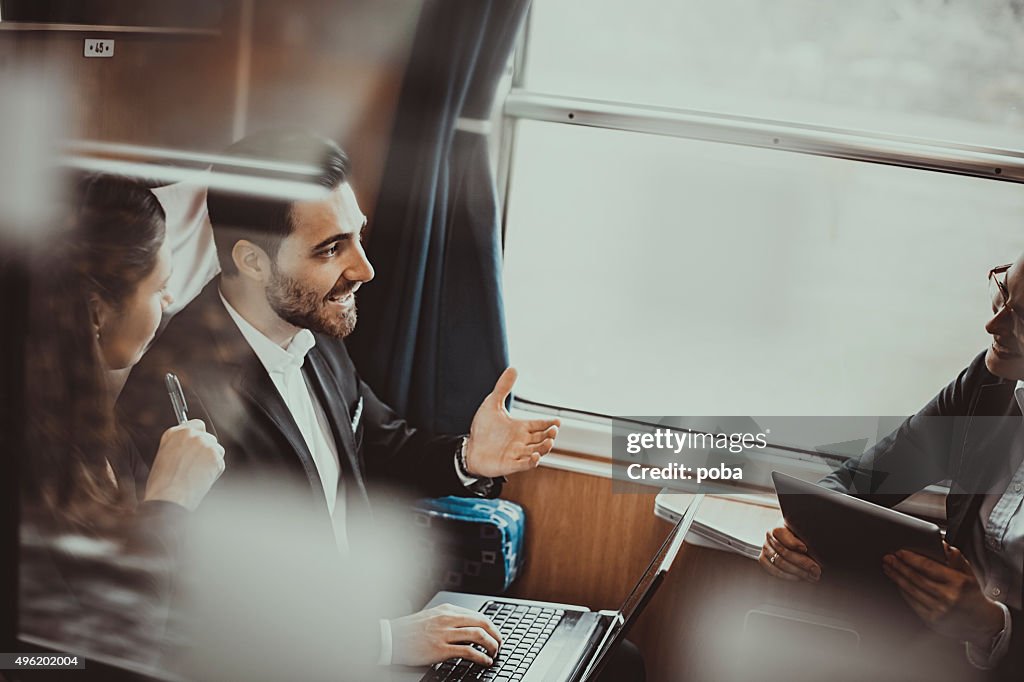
<point x="972" y="434"/>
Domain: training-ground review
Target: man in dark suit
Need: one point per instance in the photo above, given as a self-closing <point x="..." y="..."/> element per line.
<point x="260" y="353"/>
<point x="972" y="434"/>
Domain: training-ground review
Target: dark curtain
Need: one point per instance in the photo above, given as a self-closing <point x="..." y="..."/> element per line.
<point x="431" y="333"/>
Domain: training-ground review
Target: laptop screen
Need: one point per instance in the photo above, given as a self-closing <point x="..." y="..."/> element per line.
<point x="642" y="592"/>
<point x="661" y="562"/>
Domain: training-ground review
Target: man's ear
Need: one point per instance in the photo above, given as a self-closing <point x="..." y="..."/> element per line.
<point x="251" y="260"/>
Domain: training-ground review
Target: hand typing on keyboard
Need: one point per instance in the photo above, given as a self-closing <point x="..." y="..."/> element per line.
<point x="444" y="632"/>
<point x="527" y="628"/>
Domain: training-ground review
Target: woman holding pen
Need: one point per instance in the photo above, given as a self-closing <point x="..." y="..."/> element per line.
<point x="98" y="292"/>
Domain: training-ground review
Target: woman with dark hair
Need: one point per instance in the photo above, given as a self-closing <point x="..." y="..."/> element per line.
<point x="97" y="299"/>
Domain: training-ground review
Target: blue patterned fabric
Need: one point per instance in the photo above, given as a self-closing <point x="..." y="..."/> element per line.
<point x="481" y="542"/>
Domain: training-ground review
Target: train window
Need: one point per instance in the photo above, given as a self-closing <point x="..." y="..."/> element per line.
<point x="726" y="263"/>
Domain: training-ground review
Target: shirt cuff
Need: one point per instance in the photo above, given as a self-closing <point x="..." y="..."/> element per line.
<point x="465" y="478"/>
<point x="478" y="486"/>
<point x="385" y="642"/>
<point x="988" y="658"/>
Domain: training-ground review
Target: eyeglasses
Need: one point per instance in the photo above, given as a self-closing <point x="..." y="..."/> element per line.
<point x="998" y="293"/>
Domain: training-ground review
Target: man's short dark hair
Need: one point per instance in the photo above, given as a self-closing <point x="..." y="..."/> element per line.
<point x="297" y="156"/>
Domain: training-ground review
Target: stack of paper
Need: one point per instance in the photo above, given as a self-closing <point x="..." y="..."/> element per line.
<point x="737" y="523"/>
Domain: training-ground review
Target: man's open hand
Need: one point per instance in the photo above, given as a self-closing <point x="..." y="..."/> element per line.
<point x="500" y="445"/>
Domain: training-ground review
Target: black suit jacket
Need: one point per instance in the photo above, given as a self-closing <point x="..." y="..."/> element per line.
<point x="964" y="435"/>
<point x="227" y="386"/>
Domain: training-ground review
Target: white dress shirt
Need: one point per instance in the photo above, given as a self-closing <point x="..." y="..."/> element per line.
<point x="1000" y="549"/>
<point x="284" y="365"/>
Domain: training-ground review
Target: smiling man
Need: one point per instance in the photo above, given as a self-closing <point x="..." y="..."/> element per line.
<point x="972" y="434"/>
<point x="261" y="357"/>
<point x="302" y="303"/>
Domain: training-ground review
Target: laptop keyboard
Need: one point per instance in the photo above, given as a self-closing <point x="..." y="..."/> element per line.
<point x="524" y="631"/>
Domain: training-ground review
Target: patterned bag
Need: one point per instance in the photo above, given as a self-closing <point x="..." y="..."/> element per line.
<point x="481" y="542"/>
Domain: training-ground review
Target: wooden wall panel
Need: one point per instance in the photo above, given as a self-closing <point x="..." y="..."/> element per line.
<point x="333" y="66"/>
<point x="167" y="91"/>
<point x="584" y="545"/>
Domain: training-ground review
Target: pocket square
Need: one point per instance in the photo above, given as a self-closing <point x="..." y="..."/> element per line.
<point x="358" y="414"/>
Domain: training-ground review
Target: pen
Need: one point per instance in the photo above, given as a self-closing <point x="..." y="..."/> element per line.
<point x="177" y="397"/>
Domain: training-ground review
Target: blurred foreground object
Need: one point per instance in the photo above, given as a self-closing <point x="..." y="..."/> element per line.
<point x="267" y="599"/>
<point x="30" y="108"/>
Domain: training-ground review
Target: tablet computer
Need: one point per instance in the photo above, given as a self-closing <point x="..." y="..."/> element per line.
<point x="849" y="534"/>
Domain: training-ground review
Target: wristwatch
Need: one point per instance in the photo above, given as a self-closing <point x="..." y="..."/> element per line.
<point x="460" y="459"/>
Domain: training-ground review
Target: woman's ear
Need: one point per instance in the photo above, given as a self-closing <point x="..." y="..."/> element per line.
<point x="99" y="313"/>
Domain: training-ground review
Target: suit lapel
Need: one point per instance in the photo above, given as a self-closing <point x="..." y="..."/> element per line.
<point x="251" y="380"/>
<point x="255" y="384"/>
<point x="335" y="398"/>
<point x="993" y="428"/>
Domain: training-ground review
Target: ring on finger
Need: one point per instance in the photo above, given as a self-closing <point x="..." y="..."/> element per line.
<point x="774" y="557"/>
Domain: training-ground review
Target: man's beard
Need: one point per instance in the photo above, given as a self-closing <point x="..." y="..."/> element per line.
<point x="307" y="309"/>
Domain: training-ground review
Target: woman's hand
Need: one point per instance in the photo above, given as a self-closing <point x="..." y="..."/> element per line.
<point x="785" y="556"/>
<point x="947" y="597"/>
<point x="188" y="462"/>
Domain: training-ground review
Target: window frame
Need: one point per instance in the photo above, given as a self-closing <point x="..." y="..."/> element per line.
<point x="584" y="439"/>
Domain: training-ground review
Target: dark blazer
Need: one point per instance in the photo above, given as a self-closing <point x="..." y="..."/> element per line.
<point x="226" y="386"/>
<point x="964" y="435"/>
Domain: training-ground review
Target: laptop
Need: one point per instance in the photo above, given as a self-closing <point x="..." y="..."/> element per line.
<point x="549" y="642"/>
